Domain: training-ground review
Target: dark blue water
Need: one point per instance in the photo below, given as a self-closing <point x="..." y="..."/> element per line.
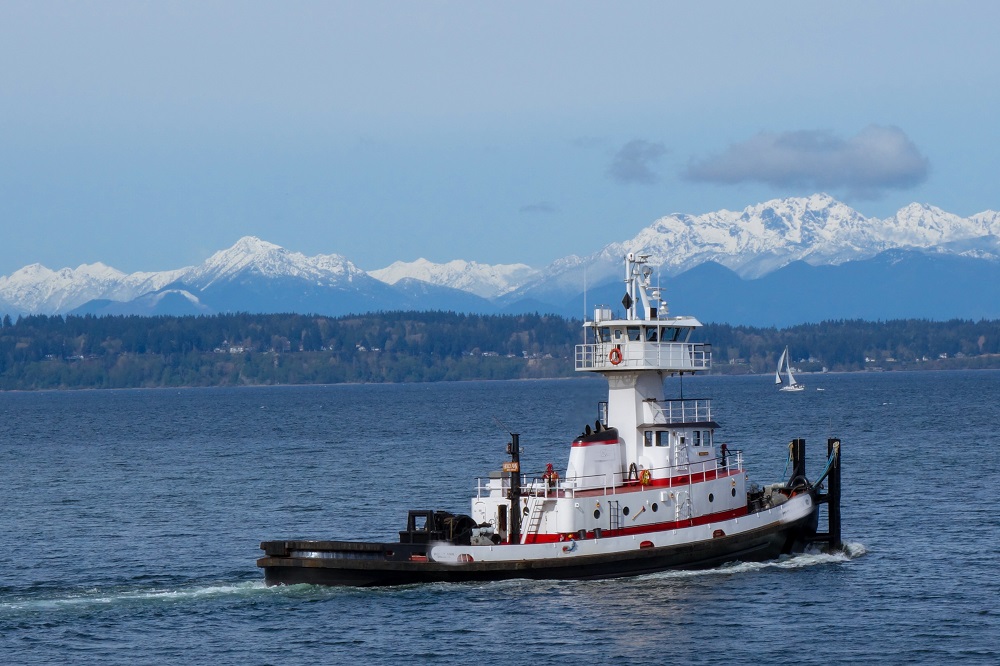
<point x="130" y="523"/>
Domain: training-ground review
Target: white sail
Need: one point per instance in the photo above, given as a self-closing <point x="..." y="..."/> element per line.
<point x="786" y="361"/>
<point x="791" y="378"/>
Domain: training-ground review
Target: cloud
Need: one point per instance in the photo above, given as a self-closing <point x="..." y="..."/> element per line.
<point x="877" y="159"/>
<point x="633" y="163"/>
<point x="540" y="207"/>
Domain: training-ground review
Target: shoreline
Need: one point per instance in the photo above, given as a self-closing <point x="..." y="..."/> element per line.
<point x="458" y="381"/>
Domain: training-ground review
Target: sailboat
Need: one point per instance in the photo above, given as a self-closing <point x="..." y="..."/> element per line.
<point x="785" y="363"/>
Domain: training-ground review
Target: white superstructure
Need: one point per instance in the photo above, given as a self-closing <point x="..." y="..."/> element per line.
<point x="650" y="463"/>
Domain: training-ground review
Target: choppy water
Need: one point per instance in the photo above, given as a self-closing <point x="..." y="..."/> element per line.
<point x="130" y="520"/>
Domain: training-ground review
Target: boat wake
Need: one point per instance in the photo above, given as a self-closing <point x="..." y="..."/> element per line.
<point x="809" y="558"/>
<point x="101" y="598"/>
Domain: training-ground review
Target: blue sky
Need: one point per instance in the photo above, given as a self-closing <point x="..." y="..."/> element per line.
<point x="149" y="134"/>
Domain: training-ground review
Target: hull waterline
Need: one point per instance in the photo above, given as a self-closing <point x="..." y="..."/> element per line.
<point x="753" y="546"/>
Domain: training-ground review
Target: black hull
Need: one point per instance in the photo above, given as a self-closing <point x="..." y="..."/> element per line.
<point x="374" y="570"/>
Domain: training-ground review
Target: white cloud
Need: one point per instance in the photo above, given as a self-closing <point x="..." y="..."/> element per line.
<point x="876" y="159"/>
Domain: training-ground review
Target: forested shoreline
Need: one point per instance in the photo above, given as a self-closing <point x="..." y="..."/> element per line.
<point x="56" y="352"/>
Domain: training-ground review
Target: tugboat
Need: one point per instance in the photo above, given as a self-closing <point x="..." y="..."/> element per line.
<point x="646" y="489"/>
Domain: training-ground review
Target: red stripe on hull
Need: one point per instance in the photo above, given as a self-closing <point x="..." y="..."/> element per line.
<point x="646" y="529"/>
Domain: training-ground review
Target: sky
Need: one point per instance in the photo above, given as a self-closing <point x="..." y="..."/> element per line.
<point x="148" y="135"/>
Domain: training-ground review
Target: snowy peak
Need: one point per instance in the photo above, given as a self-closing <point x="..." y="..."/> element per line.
<point x="483" y="280"/>
<point x="817" y="229"/>
<point x="255" y="257"/>
<point x="922" y="225"/>
<point x="36" y="288"/>
<point x="760" y="239"/>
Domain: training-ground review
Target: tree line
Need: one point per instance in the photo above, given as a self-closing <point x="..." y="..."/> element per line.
<point x="54" y="352"/>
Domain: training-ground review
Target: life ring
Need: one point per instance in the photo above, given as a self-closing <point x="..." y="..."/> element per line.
<point x="645" y="477"/>
<point x="615" y="356"/>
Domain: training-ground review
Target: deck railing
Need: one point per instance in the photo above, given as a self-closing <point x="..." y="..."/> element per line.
<point x="637" y="355"/>
<point x="537" y="486"/>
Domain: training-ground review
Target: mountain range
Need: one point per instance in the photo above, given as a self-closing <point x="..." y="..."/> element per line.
<point x="777" y="263"/>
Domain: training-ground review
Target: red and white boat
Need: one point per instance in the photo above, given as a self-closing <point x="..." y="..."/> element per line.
<point x="646" y="487"/>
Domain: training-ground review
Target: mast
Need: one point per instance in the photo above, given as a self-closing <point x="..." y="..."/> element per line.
<point x="514" y="469"/>
<point x="788" y="365"/>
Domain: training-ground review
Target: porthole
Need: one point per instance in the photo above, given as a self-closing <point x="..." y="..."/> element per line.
<point x="597" y="513"/>
<point x="734" y="492"/>
<point x="655" y="506"/>
<point x="625" y="511"/>
<point x="711" y="497"/>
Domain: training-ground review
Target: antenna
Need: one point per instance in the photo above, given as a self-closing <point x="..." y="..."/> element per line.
<point x="503" y="426"/>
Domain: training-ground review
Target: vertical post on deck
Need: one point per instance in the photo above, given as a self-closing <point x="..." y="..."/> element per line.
<point x="514" y="468"/>
<point x="833" y="493"/>
<point x="798" y="460"/>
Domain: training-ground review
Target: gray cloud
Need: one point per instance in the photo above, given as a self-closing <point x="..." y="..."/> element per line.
<point x="877" y="159"/>
<point x="633" y="163"/>
<point x="540" y="207"/>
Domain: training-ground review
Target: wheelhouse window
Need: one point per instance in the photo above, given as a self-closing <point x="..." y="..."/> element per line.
<point x="634" y="333"/>
<point x="696" y="437"/>
<point x="647" y="438"/>
<point x="604" y="334"/>
<point x="650" y="334"/>
<point x="669" y="333"/>
<point x="662" y="438"/>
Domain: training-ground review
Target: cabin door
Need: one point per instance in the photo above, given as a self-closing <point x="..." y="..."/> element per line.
<point x="682" y="506"/>
<point x="502" y="521"/>
<point x="679" y="449"/>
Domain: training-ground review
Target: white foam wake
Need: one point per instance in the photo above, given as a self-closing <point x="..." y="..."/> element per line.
<point x="810" y="558"/>
<point x="98" y="597"/>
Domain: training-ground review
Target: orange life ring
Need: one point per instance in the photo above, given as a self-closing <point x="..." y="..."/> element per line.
<point x="615" y="356"/>
<point x="645" y="477"/>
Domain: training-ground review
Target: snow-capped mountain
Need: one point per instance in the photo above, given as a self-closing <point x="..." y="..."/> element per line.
<point x="760" y="239"/>
<point x="251" y="256"/>
<point x="776" y="238"/>
<point x="36" y="289"/>
<point x="480" y="279"/>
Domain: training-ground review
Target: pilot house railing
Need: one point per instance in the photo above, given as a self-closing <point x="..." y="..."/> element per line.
<point x="682" y="410"/>
<point x="631" y="355"/>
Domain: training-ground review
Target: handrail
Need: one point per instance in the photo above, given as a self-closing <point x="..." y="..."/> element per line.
<point x="539" y="487"/>
<point x="644" y="355"/>
<point x="681" y="410"/>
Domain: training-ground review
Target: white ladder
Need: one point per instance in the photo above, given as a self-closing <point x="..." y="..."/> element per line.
<point x="534" y="518"/>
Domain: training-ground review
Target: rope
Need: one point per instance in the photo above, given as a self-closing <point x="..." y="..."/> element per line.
<point x="829" y="463"/>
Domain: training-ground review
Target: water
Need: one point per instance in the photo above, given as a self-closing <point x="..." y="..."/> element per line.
<point x="130" y="520"/>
